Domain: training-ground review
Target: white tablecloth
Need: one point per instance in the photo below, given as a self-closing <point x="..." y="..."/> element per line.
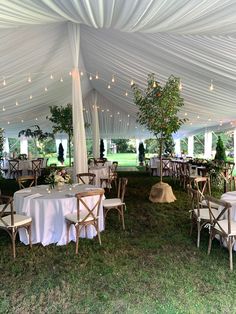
<point x="48" y="213"/>
<point x="230" y="197"/>
<point x="100" y="172"/>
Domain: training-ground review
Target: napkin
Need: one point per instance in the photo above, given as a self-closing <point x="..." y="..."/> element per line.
<point x="34" y="195"/>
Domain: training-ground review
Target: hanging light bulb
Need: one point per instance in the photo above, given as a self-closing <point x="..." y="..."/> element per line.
<point x="154" y="84"/>
<point x="180" y="85"/>
<point x="51" y="77"/>
<point x="17" y="103"/>
<point x="4" y="82"/>
<point x="126" y="94"/>
<point x="22" y="121"/>
<point x="30" y="97"/>
<point x="70" y="73"/>
<point x="132" y="82"/>
<point x="61" y="80"/>
<point x="45" y="88"/>
<point x="90" y="77"/>
<point x="36" y="119"/>
<point x="109" y="86"/>
<point x="8" y="122"/>
<point x="113" y="79"/>
<point x="29" y="79"/>
<point x="81" y="73"/>
<point x="198" y="117"/>
<point x="96" y="76"/>
<point x="211" y="88"/>
<point x="3" y="108"/>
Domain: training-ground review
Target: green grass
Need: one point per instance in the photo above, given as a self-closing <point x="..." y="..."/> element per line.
<point x="151" y="267"/>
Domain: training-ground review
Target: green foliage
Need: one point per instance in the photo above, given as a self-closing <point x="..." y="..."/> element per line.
<point x="1" y="141"/>
<point x="121" y="145"/>
<point x="158" y="108"/>
<point x="220" y="150"/>
<point x="37" y="133"/>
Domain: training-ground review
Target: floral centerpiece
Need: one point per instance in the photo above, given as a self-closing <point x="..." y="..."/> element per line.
<point x="58" y="177"/>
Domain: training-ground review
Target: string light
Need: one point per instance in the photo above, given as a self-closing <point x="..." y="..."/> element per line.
<point x="109" y="86"/>
<point x="154" y="84"/>
<point x="3" y="108"/>
<point x="45" y="88"/>
<point x="70" y="73"/>
<point x="126" y="94"/>
<point x="113" y="79"/>
<point x="22" y="121"/>
<point x="29" y="79"/>
<point x="51" y="77"/>
<point x="132" y="82"/>
<point x="185" y="114"/>
<point x="96" y="76"/>
<point x="90" y="77"/>
<point x="4" y="83"/>
<point x="8" y="122"/>
<point x="61" y="80"/>
<point x="198" y="117"/>
<point x="17" y="103"/>
<point x="81" y="73"/>
<point x="30" y="97"/>
<point x="211" y="88"/>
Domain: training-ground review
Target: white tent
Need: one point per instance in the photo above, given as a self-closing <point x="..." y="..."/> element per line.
<point x="120" y="40"/>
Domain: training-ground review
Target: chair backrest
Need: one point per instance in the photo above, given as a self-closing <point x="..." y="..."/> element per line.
<point x="122" y="183"/>
<point x="36" y="166"/>
<point x="13" y="165"/>
<point x="87" y="211"/>
<point x="26" y="181"/>
<point x="7" y="201"/>
<point x="195" y="198"/>
<point x="216" y="216"/>
<point x="231" y="186"/>
<point x="86" y="178"/>
<point x="202" y="184"/>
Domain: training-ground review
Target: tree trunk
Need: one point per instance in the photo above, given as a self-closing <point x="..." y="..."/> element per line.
<point x="160" y="156"/>
<point x="69" y="148"/>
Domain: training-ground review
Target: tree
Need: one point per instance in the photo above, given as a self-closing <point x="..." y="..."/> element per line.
<point x="141" y="153"/>
<point x="102" y="149"/>
<point x="36" y="134"/>
<point x="121" y="144"/>
<point x="220" y="150"/>
<point x="158" y="109"/>
<point x="60" y="153"/>
<point x="63" y="123"/>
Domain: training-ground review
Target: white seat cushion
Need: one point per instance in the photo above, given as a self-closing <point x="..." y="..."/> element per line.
<point x="73" y="217"/>
<point x="204" y="213"/>
<point x="224" y="225"/>
<point x="18" y="220"/>
<point x="112" y="202"/>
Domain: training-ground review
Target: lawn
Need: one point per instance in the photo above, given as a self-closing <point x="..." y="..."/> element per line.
<point x="151" y="267"/>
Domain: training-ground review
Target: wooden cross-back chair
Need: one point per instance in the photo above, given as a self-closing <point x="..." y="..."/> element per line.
<point x="35" y="167"/>
<point x="110" y="177"/>
<point x="26" y="181"/>
<point x="86" y="178"/>
<point x="223" y="225"/>
<point x="13" y="222"/>
<point x="87" y="214"/>
<point x="165" y="167"/>
<point x="3" y="170"/>
<point x="200" y="215"/>
<point x="118" y="202"/>
<point x="14" y="168"/>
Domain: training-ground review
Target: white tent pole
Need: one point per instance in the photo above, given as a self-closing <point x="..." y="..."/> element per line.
<point x="23" y="145"/>
<point x="95" y="127"/>
<point x="177" y="147"/>
<point x="190" y="145"/>
<point x="80" y="149"/>
<point x="208" y="144"/>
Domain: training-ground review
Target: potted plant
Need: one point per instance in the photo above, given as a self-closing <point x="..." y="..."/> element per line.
<point x="158" y="112"/>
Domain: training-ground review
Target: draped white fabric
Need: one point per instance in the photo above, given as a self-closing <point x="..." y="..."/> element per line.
<point x="95" y="126"/>
<point x="194" y="40"/>
<point x="80" y="150"/>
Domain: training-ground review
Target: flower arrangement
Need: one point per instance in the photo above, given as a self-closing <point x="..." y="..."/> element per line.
<point x="58" y="177"/>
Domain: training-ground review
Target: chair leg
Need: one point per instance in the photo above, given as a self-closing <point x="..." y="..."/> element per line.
<point x="67" y="236"/>
<point x="210" y="242"/>
<point x="13" y="239"/>
<point x="30" y="235"/>
<point x="198" y="234"/>
<point x="230" y="247"/>
<point x="98" y="233"/>
<point x="77" y="239"/>
<point x="122" y="217"/>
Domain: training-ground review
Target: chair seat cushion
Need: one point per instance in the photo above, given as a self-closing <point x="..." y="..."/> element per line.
<point x="18" y="220"/>
<point x="224" y="225"/>
<point x="73" y="217"/>
<point x="112" y="202"/>
<point x="204" y="213"/>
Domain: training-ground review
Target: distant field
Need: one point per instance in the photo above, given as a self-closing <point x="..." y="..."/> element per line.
<point x="124" y="160"/>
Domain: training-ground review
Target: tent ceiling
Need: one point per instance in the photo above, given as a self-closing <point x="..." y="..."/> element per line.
<point x="194" y="40"/>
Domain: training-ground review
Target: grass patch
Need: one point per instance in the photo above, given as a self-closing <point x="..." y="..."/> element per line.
<point x="151" y="267"/>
